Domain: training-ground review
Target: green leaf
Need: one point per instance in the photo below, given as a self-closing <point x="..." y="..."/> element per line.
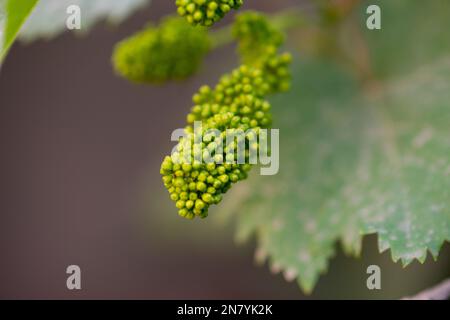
<point x="13" y="14"/>
<point x="408" y="36"/>
<point x="355" y="160"/>
<point x="49" y="18"/>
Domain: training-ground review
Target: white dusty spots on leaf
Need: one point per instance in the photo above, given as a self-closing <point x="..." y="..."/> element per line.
<point x="422" y="138"/>
<point x="303" y="256"/>
<point x="310" y="226"/>
<point x="290" y="274"/>
<point x="275" y="268"/>
<point x="278" y="224"/>
<point x="260" y="255"/>
<point x="357" y="167"/>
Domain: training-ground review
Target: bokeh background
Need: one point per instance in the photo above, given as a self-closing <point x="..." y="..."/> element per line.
<point x="80" y="154"/>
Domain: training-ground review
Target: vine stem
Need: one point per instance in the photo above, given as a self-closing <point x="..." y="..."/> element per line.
<point x="283" y="20"/>
<point x="438" y="292"/>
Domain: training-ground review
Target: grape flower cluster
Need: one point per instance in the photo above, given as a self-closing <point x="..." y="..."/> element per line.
<point x="206" y="12"/>
<point x="172" y="51"/>
<point x="254" y="33"/>
<point x="204" y="165"/>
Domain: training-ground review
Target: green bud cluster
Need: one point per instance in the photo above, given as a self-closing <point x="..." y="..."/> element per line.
<point x="196" y="171"/>
<point x="276" y="69"/>
<point x="236" y="102"/>
<point x="172" y="51"/>
<point x="206" y="12"/>
<point x="258" y="44"/>
<point x="254" y="34"/>
<point x="204" y="164"/>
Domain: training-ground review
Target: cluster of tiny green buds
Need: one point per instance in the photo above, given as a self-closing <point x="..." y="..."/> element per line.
<point x="205" y="163"/>
<point x="235" y="105"/>
<point x="206" y="12"/>
<point x="276" y="69"/>
<point x="259" y="42"/>
<point x="195" y="187"/>
<point x="254" y="34"/>
<point x="236" y="102"/>
<point x="172" y="51"/>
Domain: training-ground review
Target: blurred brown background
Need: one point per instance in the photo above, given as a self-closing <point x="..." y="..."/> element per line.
<point x="80" y="184"/>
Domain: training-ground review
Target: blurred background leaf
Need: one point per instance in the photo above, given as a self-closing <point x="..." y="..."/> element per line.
<point x="409" y="37"/>
<point x="13" y="13"/>
<point x="49" y="18"/>
<point x="360" y="154"/>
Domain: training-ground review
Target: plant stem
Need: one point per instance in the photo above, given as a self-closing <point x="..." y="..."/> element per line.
<point x="283" y="21"/>
<point x="221" y="37"/>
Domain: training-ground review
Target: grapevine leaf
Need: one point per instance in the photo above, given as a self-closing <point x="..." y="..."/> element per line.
<point x="13" y="13"/>
<point x="49" y="18"/>
<point x="355" y="161"/>
<point x="407" y="37"/>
